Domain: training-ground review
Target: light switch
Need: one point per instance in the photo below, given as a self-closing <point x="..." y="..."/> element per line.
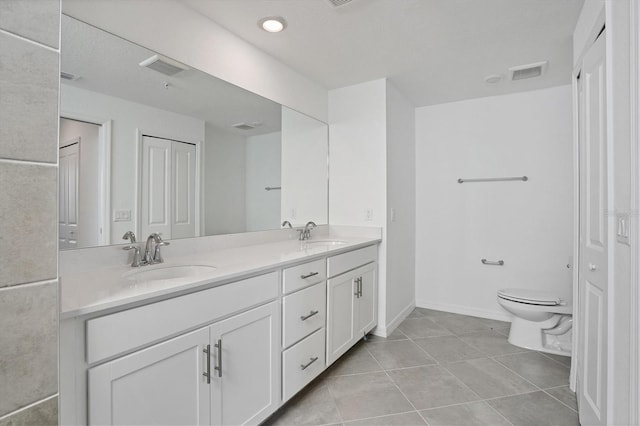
<point x="122" y="216"/>
<point x="622" y="230"/>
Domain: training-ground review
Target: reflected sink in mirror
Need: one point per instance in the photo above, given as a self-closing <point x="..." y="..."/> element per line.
<point x="165" y="273"/>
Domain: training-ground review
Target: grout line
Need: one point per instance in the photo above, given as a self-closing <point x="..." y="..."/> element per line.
<point x="27" y="407"/>
<point x="558" y="399"/>
<point x="28" y="40"/>
<point x="499" y="413"/>
<point x="27" y="162"/>
<point x="554" y="360"/>
<point x="378" y="417"/>
<point x="517" y="374"/>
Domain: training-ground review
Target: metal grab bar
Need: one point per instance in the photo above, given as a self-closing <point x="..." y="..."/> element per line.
<point x="272" y="188"/>
<point x="492" y="262"/>
<point x="522" y="178"/>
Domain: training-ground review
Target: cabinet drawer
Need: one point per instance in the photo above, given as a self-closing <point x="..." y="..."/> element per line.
<point x="123" y="331"/>
<point x="302" y="363"/>
<point x="341" y="263"/>
<point x="303" y="275"/>
<point x="303" y="313"/>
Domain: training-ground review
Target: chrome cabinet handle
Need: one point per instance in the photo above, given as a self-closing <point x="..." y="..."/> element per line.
<point x="313" y="274"/>
<point x="305" y="366"/>
<point x="592" y="267"/>
<point x="306" y="317"/>
<point x="356" y="281"/>
<point x="207" y="374"/>
<point x="492" y="262"/>
<point x="360" y="279"/>
<point x="218" y="367"/>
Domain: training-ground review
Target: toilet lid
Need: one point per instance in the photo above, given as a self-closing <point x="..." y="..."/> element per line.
<point x="534" y="297"/>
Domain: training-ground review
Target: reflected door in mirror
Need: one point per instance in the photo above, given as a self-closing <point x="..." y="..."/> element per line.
<point x="168" y="188"/>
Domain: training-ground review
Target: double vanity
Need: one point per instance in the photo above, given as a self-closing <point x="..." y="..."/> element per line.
<point x="225" y="331"/>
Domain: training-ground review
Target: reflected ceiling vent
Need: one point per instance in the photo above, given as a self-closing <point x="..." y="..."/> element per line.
<point x="243" y="126"/>
<point x="523" y="72"/>
<point x="163" y="65"/>
<point x="338" y="3"/>
<point x="68" y="76"/>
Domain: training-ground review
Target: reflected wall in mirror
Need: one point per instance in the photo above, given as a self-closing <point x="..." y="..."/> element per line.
<point x="151" y="145"/>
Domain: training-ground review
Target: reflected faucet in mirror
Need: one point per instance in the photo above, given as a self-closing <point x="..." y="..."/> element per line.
<point x="287" y="223"/>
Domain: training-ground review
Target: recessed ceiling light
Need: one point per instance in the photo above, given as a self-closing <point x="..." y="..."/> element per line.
<point x="272" y="24"/>
<point x="493" y="79"/>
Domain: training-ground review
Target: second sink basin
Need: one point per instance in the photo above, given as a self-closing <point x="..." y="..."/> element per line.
<point x="325" y="242"/>
<point x="165" y="273"/>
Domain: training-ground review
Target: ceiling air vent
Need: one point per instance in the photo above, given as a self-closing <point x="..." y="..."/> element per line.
<point x="338" y="3"/>
<point x="163" y="65"/>
<point x="68" y="76"/>
<point x="243" y="126"/>
<point x="522" y="72"/>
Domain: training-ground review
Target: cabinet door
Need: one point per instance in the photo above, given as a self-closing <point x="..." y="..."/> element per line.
<point x="160" y="385"/>
<point x="367" y="306"/>
<point x="246" y="381"/>
<point x="341" y="315"/>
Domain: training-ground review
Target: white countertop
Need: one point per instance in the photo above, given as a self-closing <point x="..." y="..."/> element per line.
<point x="91" y="287"/>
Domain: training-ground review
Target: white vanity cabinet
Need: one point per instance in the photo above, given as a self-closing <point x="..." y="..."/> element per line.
<point x="222" y="374"/>
<point x="229" y="354"/>
<point x="351" y="299"/>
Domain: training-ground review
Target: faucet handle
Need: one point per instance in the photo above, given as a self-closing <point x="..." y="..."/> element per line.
<point x="157" y="255"/>
<point x="129" y="235"/>
<point x="137" y="260"/>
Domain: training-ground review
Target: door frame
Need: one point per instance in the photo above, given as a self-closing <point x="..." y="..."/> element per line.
<point x="634" y="391"/>
<point x="104" y="148"/>
<point x="199" y="201"/>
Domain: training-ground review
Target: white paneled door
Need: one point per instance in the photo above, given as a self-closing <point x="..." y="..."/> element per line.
<point x="593" y="272"/>
<point x="69" y="166"/>
<point x="168" y="188"/>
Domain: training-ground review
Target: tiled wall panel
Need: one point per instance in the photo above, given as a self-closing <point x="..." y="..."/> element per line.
<point x="28" y="100"/>
<point x="28" y="235"/>
<point x="37" y="20"/>
<point x="29" y="307"/>
<point x="43" y="413"/>
<point x="28" y="344"/>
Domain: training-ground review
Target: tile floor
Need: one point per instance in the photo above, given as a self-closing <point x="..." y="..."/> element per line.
<point x="438" y="368"/>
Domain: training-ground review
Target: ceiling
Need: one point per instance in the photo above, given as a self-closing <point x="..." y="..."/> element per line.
<point x="108" y="64"/>
<point x="434" y="51"/>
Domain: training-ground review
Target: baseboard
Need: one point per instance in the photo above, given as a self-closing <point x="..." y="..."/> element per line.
<point x="465" y="310"/>
<point x="384" y="331"/>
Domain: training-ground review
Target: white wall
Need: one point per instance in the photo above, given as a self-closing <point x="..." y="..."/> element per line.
<point x="224" y="181"/>
<point x="175" y="30"/>
<point x="358" y="171"/>
<point x="526" y="224"/>
<point x="401" y="184"/>
<point x="127" y="117"/>
<point x="262" y="170"/>
<point x="90" y="216"/>
<point x="305" y="172"/>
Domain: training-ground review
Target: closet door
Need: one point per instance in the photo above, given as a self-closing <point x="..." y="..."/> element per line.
<point x="183" y="190"/>
<point x="156" y="187"/>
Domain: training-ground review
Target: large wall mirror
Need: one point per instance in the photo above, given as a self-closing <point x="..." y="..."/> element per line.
<point x="148" y="144"/>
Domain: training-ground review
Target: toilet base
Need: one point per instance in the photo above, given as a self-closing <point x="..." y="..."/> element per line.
<point x="529" y="335"/>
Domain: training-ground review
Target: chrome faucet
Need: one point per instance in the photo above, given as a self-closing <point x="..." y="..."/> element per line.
<point x="305" y="233"/>
<point x="287" y="223"/>
<point x="153" y="256"/>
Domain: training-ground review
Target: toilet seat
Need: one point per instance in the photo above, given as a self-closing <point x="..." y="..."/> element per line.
<point x="530" y="297"/>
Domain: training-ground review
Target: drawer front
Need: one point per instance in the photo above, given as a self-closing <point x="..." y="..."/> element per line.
<point x="344" y="262"/>
<point x="302" y="363"/>
<point x="296" y="277"/>
<point x="127" y="330"/>
<point x="303" y="313"/>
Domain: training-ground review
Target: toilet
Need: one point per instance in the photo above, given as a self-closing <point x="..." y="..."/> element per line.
<point x="542" y="321"/>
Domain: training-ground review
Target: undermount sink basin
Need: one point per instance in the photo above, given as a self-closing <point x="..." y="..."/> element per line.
<point x="325" y="242"/>
<point x="165" y="273"/>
